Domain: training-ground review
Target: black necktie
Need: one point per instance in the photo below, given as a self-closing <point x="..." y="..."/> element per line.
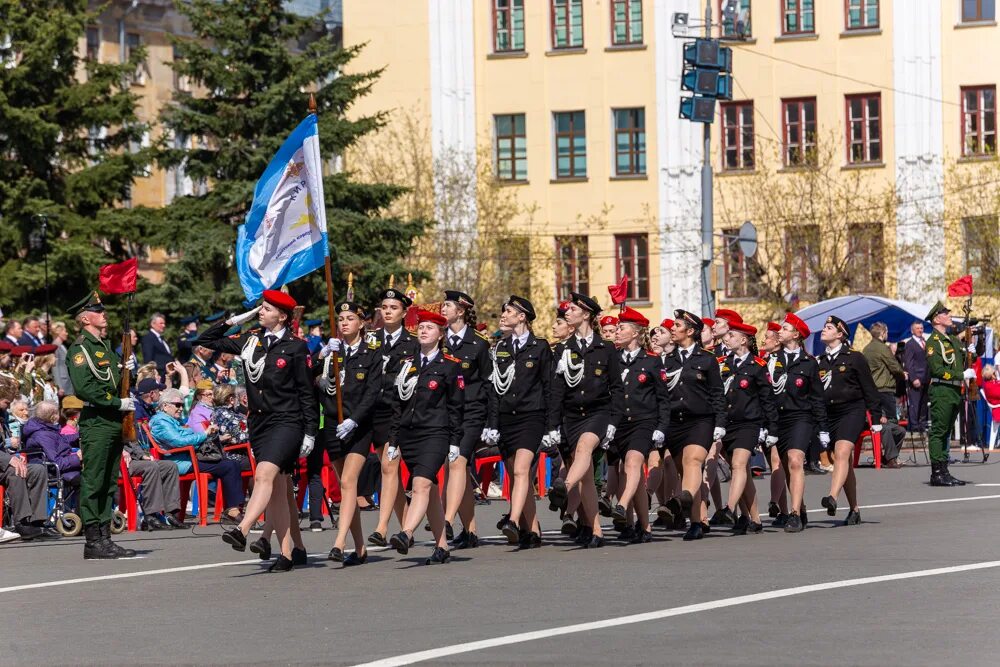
<point x="513" y="345"/>
<point x="269" y="341"/>
<point x="455" y="340"/>
<point x="684" y="355"/>
<point x="423" y="361"/>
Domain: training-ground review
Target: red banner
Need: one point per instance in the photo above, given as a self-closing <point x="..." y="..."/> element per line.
<point x="961" y="287"/>
<point x="119" y="278"/>
<point x="619" y="292"/>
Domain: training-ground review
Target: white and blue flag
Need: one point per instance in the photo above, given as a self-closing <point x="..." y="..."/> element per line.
<point x="284" y="236"/>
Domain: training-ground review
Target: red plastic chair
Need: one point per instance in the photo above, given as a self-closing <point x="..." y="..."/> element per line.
<point x="543" y="468"/>
<point x="247" y="475"/>
<point x="197" y="477"/>
<point x="330" y="483"/>
<point x="876" y="447"/>
<point x="492" y="462"/>
<point x="129" y="500"/>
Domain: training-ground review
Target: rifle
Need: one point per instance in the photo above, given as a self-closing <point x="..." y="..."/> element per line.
<point x="969" y="387"/>
<point x="128" y="421"/>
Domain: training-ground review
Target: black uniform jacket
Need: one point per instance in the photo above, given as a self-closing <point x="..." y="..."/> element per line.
<point x="362" y="384"/>
<point x="406" y="346"/>
<point x="749" y="396"/>
<point x="285" y="385"/>
<point x="529" y="391"/>
<point x="438" y="401"/>
<point x="599" y="389"/>
<point x="644" y="392"/>
<point x="847" y="382"/>
<point x="698" y="391"/>
<point x="473" y="353"/>
<point x="801" y="395"/>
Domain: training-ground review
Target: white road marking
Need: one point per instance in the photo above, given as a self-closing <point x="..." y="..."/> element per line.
<point x="469" y="647"/>
<point x="991" y="484"/>
<point x="209" y="566"/>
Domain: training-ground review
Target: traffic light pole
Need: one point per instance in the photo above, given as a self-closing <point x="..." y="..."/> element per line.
<point x="707" y="300"/>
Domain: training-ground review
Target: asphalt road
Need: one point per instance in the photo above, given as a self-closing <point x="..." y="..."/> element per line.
<point x="723" y="601"/>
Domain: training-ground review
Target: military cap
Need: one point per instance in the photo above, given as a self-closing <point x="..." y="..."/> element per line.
<point x="609" y="321"/>
<point x="215" y="317"/>
<point x="88" y="304"/>
<point x="393" y="293"/>
<point x="234" y="330"/>
<point x="689" y="318"/>
<point x="586" y="302"/>
<point x="839" y="324"/>
<point x="189" y="319"/>
<point x="72" y="403"/>
<point x="428" y="316"/>
<point x="561" y="310"/>
<point x="729" y="316"/>
<point x="708" y="322"/>
<point x="937" y="310"/>
<point x="798" y="324"/>
<point x="313" y="323"/>
<point x="19" y="350"/>
<point x="345" y="307"/>
<point x="5" y="347"/>
<point x="633" y="316"/>
<point x="280" y="300"/>
<point x="743" y="328"/>
<point x="667" y="324"/>
<point x="522" y="304"/>
<point x="461" y="298"/>
<point x="773" y="326"/>
<point x="149" y="384"/>
<point x="45" y="349"/>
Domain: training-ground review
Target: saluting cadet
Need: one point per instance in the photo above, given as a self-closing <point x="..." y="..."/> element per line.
<point x="394" y="343"/>
<point x="472" y="349"/>
<point x="645" y="414"/>
<point x="349" y="441"/>
<point x="801" y="411"/>
<point x="697" y="414"/>
<point x="521" y="377"/>
<point x="282" y="417"/>
<point x="848" y="390"/>
<point x="426" y="427"/>
<point x="751" y="416"/>
<point x="584" y="409"/>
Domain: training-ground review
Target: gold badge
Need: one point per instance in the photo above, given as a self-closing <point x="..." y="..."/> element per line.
<point x="947" y="375"/>
<point x="531" y="364"/>
<point x="360" y="376"/>
<point x="700" y="376"/>
<point x="823" y="374"/>
<point x="465" y="364"/>
<point x="842" y="369"/>
<point x="597" y="371"/>
<point x="344" y="307"/>
<point x="725" y="369"/>
<point x="503" y="354"/>
<point x="78" y="359"/>
<point x="574" y="355"/>
<point x="99" y="354"/>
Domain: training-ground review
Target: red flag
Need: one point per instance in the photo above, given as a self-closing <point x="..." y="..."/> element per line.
<point x="119" y="278"/>
<point x="961" y="287"/>
<point x="619" y="292"/>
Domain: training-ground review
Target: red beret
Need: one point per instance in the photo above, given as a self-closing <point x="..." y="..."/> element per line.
<point x="280" y="300"/>
<point x="45" y="349"/>
<point x="667" y="323"/>
<point x="481" y="326"/>
<point x="797" y="322"/>
<point x="708" y="322"/>
<point x="18" y="350"/>
<point x="728" y="315"/>
<point x="5" y="347"/>
<point x="742" y="327"/>
<point x="773" y="326"/>
<point x="633" y="316"/>
<point x="428" y="316"/>
<point x="561" y="310"/>
<point x="608" y="320"/>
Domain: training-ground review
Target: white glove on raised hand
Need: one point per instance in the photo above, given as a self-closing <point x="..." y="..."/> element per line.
<point x="608" y="437"/>
<point x="332" y="345"/>
<point x="771" y="440"/>
<point x="824" y="438"/>
<point x="718" y="434"/>
<point x="308" y="442"/>
<point x="453" y="453"/>
<point x="243" y="317"/>
<point x="876" y="428"/>
<point x="762" y="436"/>
<point x="392" y="453"/>
<point x="345" y="427"/>
<point x="969" y="374"/>
<point x="659" y="437"/>
<point x="128" y="404"/>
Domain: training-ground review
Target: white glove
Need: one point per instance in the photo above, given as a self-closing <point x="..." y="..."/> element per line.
<point x="492" y="436"/>
<point x="345" y="427"/>
<point x="971" y="348"/>
<point x="130" y="363"/>
<point x="128" y="404"/>
<point x="762" y="436"/>
<point x="824" y="438"/>
<point x="550" y="438"/>
<point x="969" y="374"/>
<point x="718" y="434"/>
<point x="485" y="435"/>
<point x="453" y="452"/>
<point x="658" y="437"/>
<point x="392" y="453"/>
<point x="308" y="442"/>
<point x="332" y="345"/>
<point x="608" y="437"/>
<point x="771" y="440"/>
<point x="876" y="428"/>
<point x="243" y="317"/>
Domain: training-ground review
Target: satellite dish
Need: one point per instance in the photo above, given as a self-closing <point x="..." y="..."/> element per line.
<point x="748" y="239"/>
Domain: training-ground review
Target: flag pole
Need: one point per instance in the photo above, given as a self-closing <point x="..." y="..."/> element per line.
<point x="329" y="304"/>
<point x="128" y="421"/>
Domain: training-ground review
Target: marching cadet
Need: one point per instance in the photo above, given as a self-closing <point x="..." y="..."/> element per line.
<point x="609" y="328"/>
<point x="348" y="442"/>
<point x="471" y="347"/>
<point x="645" y="414"/>
<point x="946" y="365"/>
<point x="95" y="372"/>
<point x="521" y="377"/>
<point x="283" y="415"/>
<point x="394" y="343"/>
<point x="718" y="328"/>
<point x="584" y="410"/>
<point x="848" y="391"/>
<point x="751" y="417"/>
<point x="697" y="414"/>
<point x="777" y="507"/>
<point x="662" y="479"/>
<point x="798" y="393"/>
<point x="560" y="330"/>
<point x="427" y="428"/>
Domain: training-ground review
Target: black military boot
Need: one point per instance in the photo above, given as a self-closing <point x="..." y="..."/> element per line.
<point x="95" y="548"/>
<point x="118" y="551"/>
<point x="954" y="481"/>
<point x="936" y="478"/>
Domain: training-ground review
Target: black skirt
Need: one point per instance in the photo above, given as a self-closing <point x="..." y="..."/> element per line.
<point x="741" y="436"/>
<point x="381" y="423"/>
<point x="574" y="426"/>
<point x="846" y="423"/>
<point x="424" y="451"/>
<point x="795" y="433"/>
<point x="473" y="422"/>
<point x="632" y="437"/>
<point x="521" y="431"/>
<point x="358" y="442"/>
<point x="690" y="431"/>
<point x="276" y="437"/>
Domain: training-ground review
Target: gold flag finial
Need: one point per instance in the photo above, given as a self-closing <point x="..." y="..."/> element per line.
<point x="392" y="281"/>
<point x="350" y="286"/>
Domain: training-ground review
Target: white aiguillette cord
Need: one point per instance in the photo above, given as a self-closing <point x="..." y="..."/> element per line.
<point x="779" y="385"/>
<point x="570" y="370"/>
<point x="331" y="387"/>
<point x="254" y="369"/>
<point x="405" y="386"/>
<point x="502" y="380"/>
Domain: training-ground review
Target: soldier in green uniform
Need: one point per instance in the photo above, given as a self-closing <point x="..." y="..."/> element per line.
<point x="946" y="364"/>
<point x="95" y="372"/>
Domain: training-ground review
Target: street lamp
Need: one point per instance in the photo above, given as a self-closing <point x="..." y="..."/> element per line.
<point x="39" y="240"/>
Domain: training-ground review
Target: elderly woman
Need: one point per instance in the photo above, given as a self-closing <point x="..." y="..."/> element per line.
<point x="200" y="415"/>
<point x="170" y="432"/>
<point x="42" y="439"/>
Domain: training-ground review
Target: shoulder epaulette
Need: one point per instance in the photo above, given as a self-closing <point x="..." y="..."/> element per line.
<point x="482" y="335"/>
<point x="79" y="340"/>
<point x="374" y="343"/>
<point x="760" y="361"/>
<point x="721" y="359"/>
<point x="451" y="358"/>
<point x="650" y="353"/>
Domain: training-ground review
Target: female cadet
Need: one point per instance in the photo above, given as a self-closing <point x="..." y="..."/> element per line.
<point x="394" y="343"/>
<point x="522" y="373"/>
<point x="283" y="415"/>
<point x="799" y="396"/>
<point x="697" y="414"/>
<point x="777" y="508"/>
<point x="662" y="471"/>
<point x="427" y="429"/>
<point x="472" y="349"/>
<point x="560" y="329"/>
<point x="645" y="413"/>
<point x="848" y="391"/>
<point x="349" y="441"/>
<point x="751" y="416"/>
<point x="584" y="409"/>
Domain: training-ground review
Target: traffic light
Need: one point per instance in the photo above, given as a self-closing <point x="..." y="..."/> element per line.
<point x="698" y="109"/>
<point x="707" y="73"/>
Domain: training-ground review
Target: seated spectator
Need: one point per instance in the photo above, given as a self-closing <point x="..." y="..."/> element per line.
<point x="161" y="489"/>
<point x="71" y="407"/>
<point x="17" y="417"/>
<point x="231" y="424"/>
<point x="170" y="432"/>
<point x="43" y="440"/>
<point x="148" y="392"/>
<point x="200" y="415"/>
<point x="991" y="393"/>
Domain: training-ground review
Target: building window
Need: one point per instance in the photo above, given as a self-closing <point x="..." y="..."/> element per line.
<point x="743" y="274"/>
<point x="630" y="142"/>
<point x="93" y="44"/>
<point x="982" y="250"/>
<point x="979" y="10"/>
<point x="865" y="257"/>
<point x="571" y="144"/>
<point x="626" y="22"/>
<point x="729" y="26"/>
<point x="133" y="42"/>
<point x="632" y="255"/>
<point x="737" y="135"/>
<point x="508" y="25"/>
<point x="511" y="147"/>
<point x="799" y="17"/>
<point x="573" y="270"/>
<point x="181" y="83"/>
<point x="567" y="24"/>
<point x="802" y="253"/>
<point x="798" y="120"/>
<point x="861" y="14"/>
<point x="864" y="128"/>
<point x="979" y="120"/>
<point x="514" y="264"/>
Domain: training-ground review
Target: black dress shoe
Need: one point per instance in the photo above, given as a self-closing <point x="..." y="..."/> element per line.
<point x="584" y="535"/>
<point x="679" y="522"/>
<point x="449" y="532"/>
<point x="853" y="518"/>
<point x="353" y="559"/>
<point x="282" y="564"/>
<point x="780" y="521"/>
<point x="439" y="557"/>
<point x="235" y="538"/>
<point x="299" y="557"/>
<point x="755" y="528"/>
<point x="569" y="526"/>
<point x="642" y="536"/>
<point x="665" y="513"/>
<point x="262" y="548"/>
<point x="511" y="532"/>
<point x="723" y="517"/>
<point x="595" y="542"/>
<point x="741" y="525"/>
<point x="706" y="528"/>
<point x="154" y="522"/>
<point x="49" y="533"/>
<point x="466" y="540"/>
<point x="814" y="468"/>
<point x="400" y="542"/>
<point x="695" y="532"/>
<point x="604" y="506"/>
<point x="558" y="494"/>
<point x="504" y="518"/>
<point x="794" y="524"/>
<point x="377" y="539"/>
<point x="229" y="520"/>
<point x="531" y="540"/>
<point x="830" y="503"/>
<point x="336" y="555"/>
<point x="661" y="522"/>
<point x="626" y="534"/>
<point x="173" y="521"/>
<point x="619" y="513"/>
<point x="773" y="510"/>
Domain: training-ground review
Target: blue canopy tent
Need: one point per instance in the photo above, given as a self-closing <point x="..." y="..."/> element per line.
<point x="865" y="310"/>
